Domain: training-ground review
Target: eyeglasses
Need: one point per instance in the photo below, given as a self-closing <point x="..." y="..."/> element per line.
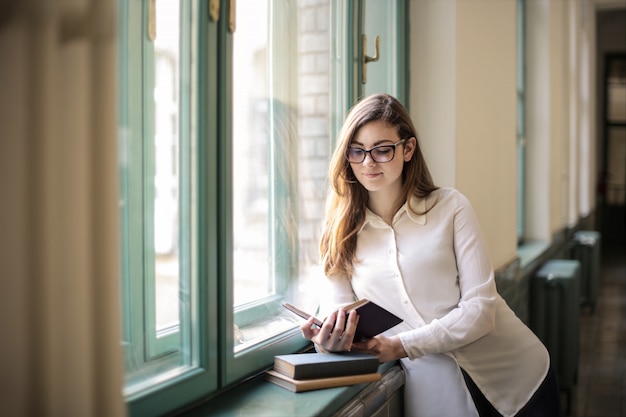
<point x="380" y="154"/>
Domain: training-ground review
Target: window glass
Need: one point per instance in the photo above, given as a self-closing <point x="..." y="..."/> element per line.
<point x="281" y="144"/>
<point x="166" y="165"/>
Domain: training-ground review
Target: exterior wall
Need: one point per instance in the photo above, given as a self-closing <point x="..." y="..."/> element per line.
<point x="313" y="121"/>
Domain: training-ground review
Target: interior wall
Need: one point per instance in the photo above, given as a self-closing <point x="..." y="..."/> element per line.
<point x="538" y="120"/>
<point x="589" y="103"/>
<point x="580" y="119"/>
<point x="558" y="190"/>
<point x="433" y="84"/>
<point x="465" y="111"/>
<point x="486" y="103"/>
<point x="561" y="117"/>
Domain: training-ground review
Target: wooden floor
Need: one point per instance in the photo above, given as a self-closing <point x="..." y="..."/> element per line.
<point x="601" y="387"/>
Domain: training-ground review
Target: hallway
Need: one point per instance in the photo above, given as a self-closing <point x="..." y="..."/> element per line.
<point x="601" y="388"/>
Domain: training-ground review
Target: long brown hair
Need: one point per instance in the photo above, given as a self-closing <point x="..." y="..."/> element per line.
<point x="347" y="198"/>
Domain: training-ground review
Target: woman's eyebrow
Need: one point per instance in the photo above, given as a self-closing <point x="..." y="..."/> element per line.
<point x="378" y="142"/>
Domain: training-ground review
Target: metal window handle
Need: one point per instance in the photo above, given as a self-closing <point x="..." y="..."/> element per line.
<point x="366" y="58"/>
<point x="214" y="10"/>
<point x="152" y="20"/>
<point x="232" y="16"/>
<point x="214" y="13"/>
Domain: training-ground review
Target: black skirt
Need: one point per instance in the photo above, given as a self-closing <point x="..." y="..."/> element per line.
<point x="545" y="402"/>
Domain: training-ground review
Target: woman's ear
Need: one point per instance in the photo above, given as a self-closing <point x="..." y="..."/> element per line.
<point x="409" y="148"/>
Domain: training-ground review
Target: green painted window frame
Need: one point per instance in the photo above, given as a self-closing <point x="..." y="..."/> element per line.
<point x="135" y="110"/>
<point x="347" y="69"/>
<point x="209" y="176"/>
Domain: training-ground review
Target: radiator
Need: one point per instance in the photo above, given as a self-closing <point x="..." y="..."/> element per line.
<point x="384" y="398"/>
<point x="555" y="317"/>
<point x="586" y="250"/>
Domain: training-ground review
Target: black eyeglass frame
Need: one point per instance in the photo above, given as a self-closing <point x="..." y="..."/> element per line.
<point x="366" y="151"/>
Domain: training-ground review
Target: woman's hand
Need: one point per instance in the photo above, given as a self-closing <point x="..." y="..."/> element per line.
<point x="385" y="348"/>
<point x="335" y="335"/>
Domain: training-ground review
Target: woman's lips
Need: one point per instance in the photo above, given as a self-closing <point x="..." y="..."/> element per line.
<point x="371" y="174"/>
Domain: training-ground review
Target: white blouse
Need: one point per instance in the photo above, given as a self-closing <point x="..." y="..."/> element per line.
<point x="433" y="271"/>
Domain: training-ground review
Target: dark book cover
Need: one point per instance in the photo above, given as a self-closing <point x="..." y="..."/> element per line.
<point x="325" y="365"/>
<point x="373" y="319"/>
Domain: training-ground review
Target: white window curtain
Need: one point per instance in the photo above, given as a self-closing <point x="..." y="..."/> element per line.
<point x="59" y="278"/>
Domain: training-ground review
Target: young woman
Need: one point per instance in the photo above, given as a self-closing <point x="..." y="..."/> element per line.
<point x="393" y="237"/>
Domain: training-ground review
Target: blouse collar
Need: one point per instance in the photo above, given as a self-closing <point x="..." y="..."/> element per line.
<point x="417" y="204"/>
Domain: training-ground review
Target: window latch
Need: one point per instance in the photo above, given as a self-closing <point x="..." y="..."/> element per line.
<point x="152" y="20"/>
<point x="232" y="16"/>
<point x="214" y="10"/>
<point x="366" y="58"/>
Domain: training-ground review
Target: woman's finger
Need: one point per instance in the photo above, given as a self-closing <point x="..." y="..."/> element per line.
<point x="307" y="328"/>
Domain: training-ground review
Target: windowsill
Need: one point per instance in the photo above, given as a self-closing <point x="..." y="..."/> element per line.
<point x="530" y="254"/>
<point x="259" y="397"/>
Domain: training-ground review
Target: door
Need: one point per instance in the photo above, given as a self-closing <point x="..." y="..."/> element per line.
<point x="612" y="189"/>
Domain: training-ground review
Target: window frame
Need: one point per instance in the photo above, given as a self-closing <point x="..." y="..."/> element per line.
<point x="188" y="385"/>
<point x="208" y="125"/>
<point x="137" y="196"/>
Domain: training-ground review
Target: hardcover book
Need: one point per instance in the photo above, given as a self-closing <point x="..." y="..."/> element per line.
<point x="373" y="319"/>
<point x="325" y="365"/>
<point x="301" y="385"/>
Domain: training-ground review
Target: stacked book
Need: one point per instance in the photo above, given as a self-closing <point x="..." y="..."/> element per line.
<point x="311" y="371"/>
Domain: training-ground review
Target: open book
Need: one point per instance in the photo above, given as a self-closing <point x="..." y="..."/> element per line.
<point x="373" y="319"/>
